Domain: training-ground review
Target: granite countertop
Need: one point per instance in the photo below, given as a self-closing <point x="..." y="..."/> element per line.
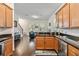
<point x="45" y="33"/>
<point x="69" y="41"/>
<point x="4" y="37"/>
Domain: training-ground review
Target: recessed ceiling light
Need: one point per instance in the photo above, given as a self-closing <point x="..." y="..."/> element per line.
<point x="35" y="16"/>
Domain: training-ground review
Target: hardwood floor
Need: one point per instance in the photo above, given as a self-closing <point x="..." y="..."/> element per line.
<point x="23" y="47"/>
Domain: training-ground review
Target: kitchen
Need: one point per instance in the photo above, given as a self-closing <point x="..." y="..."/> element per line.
<point x="39" y="29"/>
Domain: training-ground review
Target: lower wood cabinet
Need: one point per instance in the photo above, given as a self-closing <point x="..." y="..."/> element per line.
<point x="72" y="51"/>
<point x="46" y="43"/>
<point x="8" y="47"/>
<point x="56" y="45"/>
<point x="49" y="43"/>
<point x="39" y="42"/>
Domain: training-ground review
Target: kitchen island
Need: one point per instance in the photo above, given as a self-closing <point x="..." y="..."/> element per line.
<point x="47" y="40"/>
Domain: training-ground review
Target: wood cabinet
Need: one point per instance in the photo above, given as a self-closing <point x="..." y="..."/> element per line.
<point x="57" y="20"/>
<point x="60" y="19"/>
<point x="8" y="17"/>
<point x="49" y="42"/>
<point x="8" y="47"/>
<point x="74" y="15"/>
<point x="2" y="15"/>
<point x="66" y="16"/>
<point x="72" y="51"/>
<point x="56" y="45"/>
<point x="5" y="16"/>
<point x="39" y="42"/>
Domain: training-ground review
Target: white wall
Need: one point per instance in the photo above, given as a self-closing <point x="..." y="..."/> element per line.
<point x="53" y="22"/>
<point x="26" y="24"/>
<point x="41" y="23"/>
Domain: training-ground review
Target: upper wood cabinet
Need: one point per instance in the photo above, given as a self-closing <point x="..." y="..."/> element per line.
<point x="57" y="20"/>
<point x="66" y="16"/>
<point x="2" y="15"/>
<point x="5" y="16"/>
<point x="8" y="17"/>
<point x="74" y="15"/>
<point x="60" y="19"/>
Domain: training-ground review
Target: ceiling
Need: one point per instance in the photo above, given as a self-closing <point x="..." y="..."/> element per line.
<point x="42" y="10"/>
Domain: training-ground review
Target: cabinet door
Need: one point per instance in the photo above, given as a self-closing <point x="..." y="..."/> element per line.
<point x="74" y="15"/>
<point x="66" y="16"/>
<point x="72" y="51"/>
<point x="57" y="20"/>
<point x="56" y="44"/>
<point x="60" y="19"/>
<point x="8" y="47"/>
<point x="2" y="15"/>
<point x="8" y="17"/>
<point x="49" y="43"/>
<point x="39" y="42"/>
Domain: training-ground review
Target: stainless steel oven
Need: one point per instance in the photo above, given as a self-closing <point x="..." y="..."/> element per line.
<point x="1" y="48"/>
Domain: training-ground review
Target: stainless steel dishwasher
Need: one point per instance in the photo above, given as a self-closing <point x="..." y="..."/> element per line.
<point x="63" y="48"/>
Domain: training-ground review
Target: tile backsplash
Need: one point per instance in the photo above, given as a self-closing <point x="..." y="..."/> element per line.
<point x="74" y="32"/>
<point x="5" y="31"/>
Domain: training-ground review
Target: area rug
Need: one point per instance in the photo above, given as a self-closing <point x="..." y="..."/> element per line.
<point x="45" y="53"/>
